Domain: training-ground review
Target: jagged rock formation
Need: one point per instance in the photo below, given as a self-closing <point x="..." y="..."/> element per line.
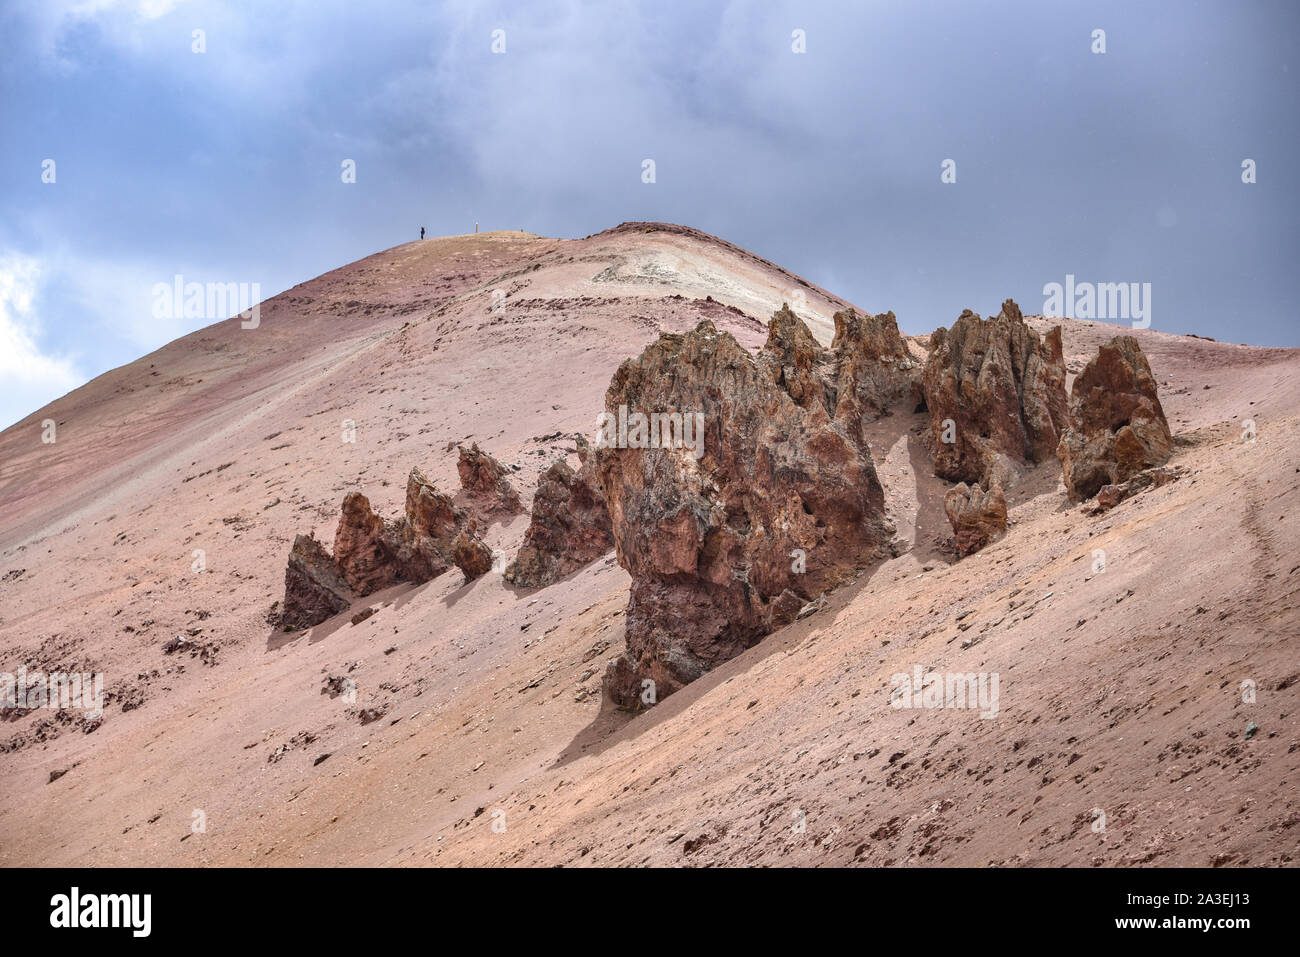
<point x="471" y="554"/>
<point x="570" y="524"/>
<point x="977" y="516"/>
<point x="314" y="588"/>
<point x="361" y="547"/>
<point x="485" y="490"/>
<point x="797" y="362"/>
<point x="371" y="553"/>
<point x="873" y="368"/>
<point x="1001" y="389"/>
<point x="781" y="505"/>
<point x="866" y="370"/>
<point x="1117" y="427"/>
<point x="425" y="538"/>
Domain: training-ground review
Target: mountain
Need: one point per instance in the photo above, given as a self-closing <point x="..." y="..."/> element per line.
<point x="478" y="733"/>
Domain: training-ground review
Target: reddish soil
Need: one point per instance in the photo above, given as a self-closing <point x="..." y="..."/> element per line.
<point x="1120" y="690"/>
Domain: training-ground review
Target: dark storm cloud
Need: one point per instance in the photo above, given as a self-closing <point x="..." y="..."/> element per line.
<point x="225" y="166"/>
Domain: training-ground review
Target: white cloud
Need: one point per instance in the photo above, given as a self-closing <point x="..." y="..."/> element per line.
<point x="153" y="9"/>
<point x="120" y="24"/>
<point x="117" y="298"/>
<point x="31" y="377"/>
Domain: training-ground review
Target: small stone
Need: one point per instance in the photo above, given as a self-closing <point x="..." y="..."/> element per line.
<point x="814" y="606"/>
<point x="977" y="516"/>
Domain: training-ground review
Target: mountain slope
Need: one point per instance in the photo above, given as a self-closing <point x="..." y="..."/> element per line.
<point x="230" y="441"/>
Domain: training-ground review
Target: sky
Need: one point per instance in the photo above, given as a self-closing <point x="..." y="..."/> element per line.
<point x="919" y="156"/>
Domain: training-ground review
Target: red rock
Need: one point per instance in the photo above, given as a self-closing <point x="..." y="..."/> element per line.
<point x="1117" y="426"/>
<point x="371" y="553"/>
<point x="1002" y="387"/>
<point x="864" y="373"/>
<point x="314" y="588"/>
<point x="873" y="369"/>
<point x="485" y="490"/>
<point x="363" y="547"/>
<point x="570" y="524"/>
<point x="1108" y="496"/>
<point x="713" y="545"/>
<point x="422" y="541"/>
<point x="471" y="555"/>
<point x="796" y="362"/>
<point x="977" y="516"/>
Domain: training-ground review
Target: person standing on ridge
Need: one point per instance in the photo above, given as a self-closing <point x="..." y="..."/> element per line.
<point x="421" y="232"/>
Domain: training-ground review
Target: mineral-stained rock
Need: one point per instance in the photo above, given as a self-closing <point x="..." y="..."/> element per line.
<point x="570" y="524"/>
<point x="422" y="541"/>
<point x="993" y="386"/>
<point x="977" y="516"/>
<point x="371" y="553"/>
<point x="485" y="490"/>
<point x="314" y="588"/>
<point x="374" y="554"/>
<point x="470" y="554"/>
<point x="363" y="547"/>
<point x="1108" y="496"/>
<point x="797" y="363"/>
<point x="873" y="368"/>
<point x="1117" y="427"/>
<point x="864" y="372"/>
<point x="781" y="506"/>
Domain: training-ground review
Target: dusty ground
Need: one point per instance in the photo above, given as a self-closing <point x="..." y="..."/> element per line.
<point x="1120" y="690"/>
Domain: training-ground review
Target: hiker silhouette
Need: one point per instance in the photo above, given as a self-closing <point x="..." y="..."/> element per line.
<point x="421" y="232"/>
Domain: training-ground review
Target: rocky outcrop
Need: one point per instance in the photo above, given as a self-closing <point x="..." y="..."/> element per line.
<point x="364" y="548"/>
<point x="794" y="360"/>
<point x="471" y="554"/>
<point x="570" y="524"/>
<point x="781" y="504"/>
<point x="314" y="588"/>
<point x="866" y="370"/>
<point x="977" y="516"/>
<point x="374" y="554"/>
<point x="873" y="368"/>
<point x="993" y="387"/>
<point x="431" y="536"/>
<point x="426" y="534"/>
<point x="485" y="490"/>
<point x="1117" y="427"/>
<point x="371" y="553"/>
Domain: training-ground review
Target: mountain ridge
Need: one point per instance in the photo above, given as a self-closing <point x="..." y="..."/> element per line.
<point x="230" y="441"/>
